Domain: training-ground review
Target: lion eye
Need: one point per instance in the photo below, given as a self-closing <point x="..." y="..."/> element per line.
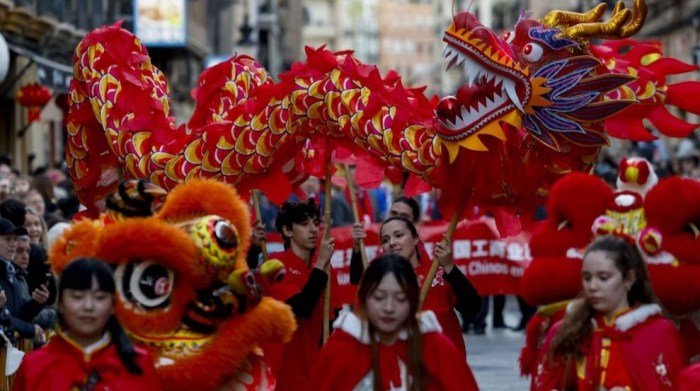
<point x="146" y="283"/>
<point x="226" y="235"/>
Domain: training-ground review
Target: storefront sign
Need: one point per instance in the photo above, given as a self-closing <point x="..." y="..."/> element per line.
<point x="161" y="22"/>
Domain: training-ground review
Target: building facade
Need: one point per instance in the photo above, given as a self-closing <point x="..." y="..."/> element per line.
<point x="181" y="37"/>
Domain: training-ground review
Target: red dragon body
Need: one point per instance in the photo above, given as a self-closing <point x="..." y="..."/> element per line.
<point x="532" y="110"/>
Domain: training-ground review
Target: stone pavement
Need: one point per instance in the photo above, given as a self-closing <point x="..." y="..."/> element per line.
<point x="494" y="357"/>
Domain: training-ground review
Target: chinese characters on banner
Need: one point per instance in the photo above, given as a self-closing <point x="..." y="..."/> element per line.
<point x="494" y="265"/>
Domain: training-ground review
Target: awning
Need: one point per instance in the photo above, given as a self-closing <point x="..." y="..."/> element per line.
<point x="52" y="74"/>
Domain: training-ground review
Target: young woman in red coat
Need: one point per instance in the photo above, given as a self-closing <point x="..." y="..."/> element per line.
<point x="91" y="350"/>
<point x="448" y="291"/>
<point x="616" y="337"/>
<point x="389" y="346"/>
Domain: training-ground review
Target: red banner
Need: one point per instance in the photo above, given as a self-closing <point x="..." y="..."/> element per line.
<point x="494" y="265"/>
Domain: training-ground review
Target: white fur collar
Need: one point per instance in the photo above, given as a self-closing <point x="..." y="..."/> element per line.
<point x="630" y="319"/>
<point x="357" y="328"/>
<point x="636" y="316"/>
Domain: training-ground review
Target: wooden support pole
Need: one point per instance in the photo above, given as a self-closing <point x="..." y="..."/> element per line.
<point x="434" y="267"/>
<point x="258" y="216"/>
<point x="326" y="235"/>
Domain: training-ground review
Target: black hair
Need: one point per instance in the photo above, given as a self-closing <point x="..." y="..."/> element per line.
<point x="413" y="204"/>
<point x="295" y="213"/>
<point x="13" y="210"/>
<point x="78" y="275"/>
<point x="408" y="281"/>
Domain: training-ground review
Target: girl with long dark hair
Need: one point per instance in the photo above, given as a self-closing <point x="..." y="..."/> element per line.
<point x="616" y="336"/>
<point x="450" y="290"/>
<point x="388" y="345"/>
<point x="91" y="350"/>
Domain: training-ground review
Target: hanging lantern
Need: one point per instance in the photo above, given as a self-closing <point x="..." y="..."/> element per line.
<point x="33" y="96"/>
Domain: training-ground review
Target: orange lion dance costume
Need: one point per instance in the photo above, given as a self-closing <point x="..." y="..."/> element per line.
<point x="184" y="290"/>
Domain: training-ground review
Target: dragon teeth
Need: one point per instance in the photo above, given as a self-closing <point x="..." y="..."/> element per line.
<point x="490" y="76"/>
<point x="509" y="87"/>
<point x="468" y="116"/>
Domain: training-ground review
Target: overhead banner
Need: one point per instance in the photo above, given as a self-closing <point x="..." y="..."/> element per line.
<point x="493" y="265"/>
<point x="161" y="22"/>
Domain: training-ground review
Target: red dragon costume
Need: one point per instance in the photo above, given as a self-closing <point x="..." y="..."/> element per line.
<point x="664" y="220"/>
<point x="532" y="110"/>
<point x="184" y="290"/>
<point x="537" y="105"/>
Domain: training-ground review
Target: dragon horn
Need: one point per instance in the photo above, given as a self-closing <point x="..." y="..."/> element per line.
<point x="568" y="18"/>
<point x="622" y="23"/>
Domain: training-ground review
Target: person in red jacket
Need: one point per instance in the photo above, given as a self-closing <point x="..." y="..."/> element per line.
<point x="389" y="345"/>
<point x="448" y="291"/>
<point x="302" y="287"/>
<point x="91" y="350"/>
<point x="443" y="300"/>
<point x="616" y="337"/>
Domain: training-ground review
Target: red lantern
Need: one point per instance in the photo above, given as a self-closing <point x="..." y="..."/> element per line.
<point x="34" y="96"/>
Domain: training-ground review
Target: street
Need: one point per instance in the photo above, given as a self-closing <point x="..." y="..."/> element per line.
<point x="494" y="357"/>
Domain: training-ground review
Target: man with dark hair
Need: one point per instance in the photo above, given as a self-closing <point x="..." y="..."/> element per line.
<point x="13" y="210"/>
<point x="8" y="281"/>
<point x="304" y="282"/>
<point x="405" y="207"/>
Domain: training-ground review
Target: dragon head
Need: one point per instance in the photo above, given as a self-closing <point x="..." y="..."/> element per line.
<point x="540" y="76"/>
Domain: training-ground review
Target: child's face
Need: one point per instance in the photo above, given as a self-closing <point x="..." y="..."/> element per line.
<point x="304" y="234"/>
<point x="388" y="308"/>
<point x="86" y="312"/>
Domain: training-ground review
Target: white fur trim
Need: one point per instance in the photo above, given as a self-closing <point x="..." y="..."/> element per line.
<point x="357" y="328"/>
<point x="663" y="258"/>
<point x="428" y="322"/>
<point x="625" y="200"/>
<point x="574" y="253"/>
<point x="637" y="316"/>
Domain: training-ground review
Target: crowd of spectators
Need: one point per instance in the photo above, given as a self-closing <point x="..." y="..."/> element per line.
<point x="681" y="158"/>
<point x="30" y="206"/>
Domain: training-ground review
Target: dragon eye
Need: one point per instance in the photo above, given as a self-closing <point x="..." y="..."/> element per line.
<point x="146" y="283"/>
<point x="532" y="52"/>
<point x="226" y="235"/>
<point x="509" y="36"/>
